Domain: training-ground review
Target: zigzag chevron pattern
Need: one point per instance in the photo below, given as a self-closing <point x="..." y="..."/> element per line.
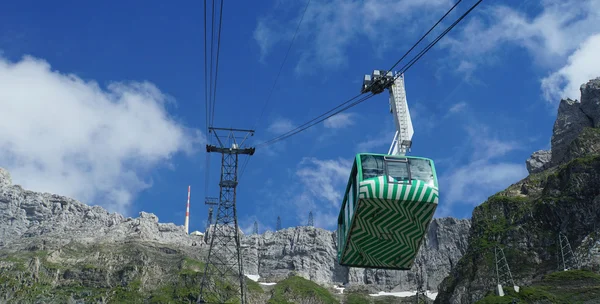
<point x="390" y="224"/>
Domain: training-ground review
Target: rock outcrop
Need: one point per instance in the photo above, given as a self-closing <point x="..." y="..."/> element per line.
<point x="570" y="121"/>
<point x="539" y="161"/>
<point x="590" y="100"/>
<point x="31" y="221"/>
<point x="526" y="219"/>
<point x="26" y="215"/>
<point x="311" y="253"/>
<point x="573" y="117"/>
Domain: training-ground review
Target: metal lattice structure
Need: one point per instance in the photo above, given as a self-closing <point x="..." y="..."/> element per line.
<point x="223" y="280"/>
<point x="311" y="266"/>
<point x="567" y="257"/>
<point x="255" y="230"/>
<point x="421" y="286"/>
<point x="311" y="221"/>
<point x="278" y="226"/>
<point x="503" y="274"/>
<point x="376" y="83"/>
<point x="211" y="201"/>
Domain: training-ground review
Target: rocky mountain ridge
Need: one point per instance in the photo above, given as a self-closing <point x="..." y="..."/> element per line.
<point x="572" y="119"/>
<point x="31" y="221"/>
<point x="560" y="195"/>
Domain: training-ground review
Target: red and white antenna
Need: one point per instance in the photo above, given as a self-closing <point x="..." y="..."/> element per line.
<point x="187" y="213"/>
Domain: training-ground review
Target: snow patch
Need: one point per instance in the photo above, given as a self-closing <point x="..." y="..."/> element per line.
<point x="253" y="277"/>
<point x="431" y="295"/>
<point x="341" y="289"/>
<point x="403" y="294"/>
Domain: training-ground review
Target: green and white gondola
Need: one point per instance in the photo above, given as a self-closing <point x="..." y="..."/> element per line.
<point x="389" y="203"/>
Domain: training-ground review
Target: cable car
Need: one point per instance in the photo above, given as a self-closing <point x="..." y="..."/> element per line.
<point x="387" y="207"/>
<point x="390" y="198"/>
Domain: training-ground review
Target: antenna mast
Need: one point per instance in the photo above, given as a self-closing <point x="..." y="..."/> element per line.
<point x="187" y="213"/>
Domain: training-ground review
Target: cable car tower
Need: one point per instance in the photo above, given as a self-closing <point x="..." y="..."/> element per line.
<point x="377" y="83"/>
<point x="224" y="260"/>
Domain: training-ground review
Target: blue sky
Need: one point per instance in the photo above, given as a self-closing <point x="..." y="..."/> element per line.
<point x="104" y="102"/>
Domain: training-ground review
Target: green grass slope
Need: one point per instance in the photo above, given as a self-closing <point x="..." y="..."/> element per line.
<point x="525" y="220"/>
<point x="573" y="286"/>
<point x="297" y="290"/>
<point x="108" y="273"/>
<point x="358" y="298"/>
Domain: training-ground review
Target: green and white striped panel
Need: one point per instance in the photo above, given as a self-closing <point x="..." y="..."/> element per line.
<point x="391" y="222"/>
<point x="379" y="188"/>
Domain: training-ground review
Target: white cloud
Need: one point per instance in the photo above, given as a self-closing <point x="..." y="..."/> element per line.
<point x="318" y="186"/>
<point x="323" y="186"/>
<point x="280" y="126"/>
<point x="247" y="225"/>
<point x="333" y="26"/>
<point x="326" y="219"/>
<point x="340" y="120"/>
<point x="424" y="120"/>
<point x="374" y="144"/>
<point x="322" y="178"/>
<point x="473" y="183"/>
<point x="458" y="107"/>
<point x="551" y="36"/>
<point x="61" y="134"/>
<point x="582" y="66"/>
<point x="485" y="173"/>
<point x="265" y="35"/>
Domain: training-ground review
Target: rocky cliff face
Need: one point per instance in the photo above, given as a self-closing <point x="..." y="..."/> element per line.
<point x="561" y="195"/>
<point x="311" y="253"/>
<point x="59" y="226"/>
<point x="573" y="117"/>
<point x="27" y="215"/>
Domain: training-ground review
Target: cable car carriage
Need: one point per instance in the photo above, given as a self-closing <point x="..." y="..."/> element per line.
<point x="389" y="200"/>
<point x="386" y="211"/>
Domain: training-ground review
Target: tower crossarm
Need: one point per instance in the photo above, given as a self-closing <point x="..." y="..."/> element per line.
<point x="211" y="200"/>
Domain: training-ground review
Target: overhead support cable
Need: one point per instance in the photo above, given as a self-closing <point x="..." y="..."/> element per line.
<point x="282" y="64"/>
<point x="206" y="101"/>
<point x="438" y="38"/>
<point x="210" y="82"/>
<point x="347" y="104"/>
<point x="212" y="40"/>
<point x="217" y="65"/>
<point x="425" y="35"/>
<point x="276" y="79"/>
<point x="310" y="123"/>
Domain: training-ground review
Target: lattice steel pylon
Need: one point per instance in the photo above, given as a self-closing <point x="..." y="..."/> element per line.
<point x="421" y="288"/>
<point x="223" y="280"/>
<point x="503" y="274"/>
<point x="311" y="221"/>
<point x="255" y="230"/>
<point x="211" y="201"/>
<point x="311" y="266"/>
<point x="568" y="259"/>
<point x="278" y="226"/>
